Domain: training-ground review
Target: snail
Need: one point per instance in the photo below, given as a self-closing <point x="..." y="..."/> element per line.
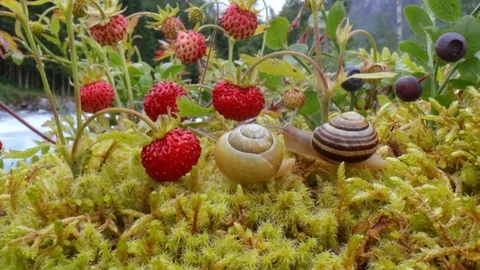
<point x="347" y="137"/>
<point x="251" y="154"/>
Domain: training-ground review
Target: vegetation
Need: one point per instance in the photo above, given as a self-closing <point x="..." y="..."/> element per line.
<point x="124" y="188"/>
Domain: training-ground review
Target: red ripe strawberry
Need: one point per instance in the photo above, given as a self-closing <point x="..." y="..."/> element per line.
<point x="190" y="46"/>
<point x="162" y="96"/>
<point x="173" y="156"/>
<point x="110" y="33"/>
<point x="171" y="27"/>
<point x="239" y="23"/>
<point x="96" y="96"/>
<point x="237" y="103"/>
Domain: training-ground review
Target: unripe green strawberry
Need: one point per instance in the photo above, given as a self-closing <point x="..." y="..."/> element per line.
<point x="293" y="99"/>
<point x="196" y="15"/>
<point x="37" y="28"/>
<point x="80" y="8"/>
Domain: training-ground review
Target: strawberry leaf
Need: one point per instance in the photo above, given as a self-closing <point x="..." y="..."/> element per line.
<point x="274" y="66"/>
<point x="277" y="33"/>
<point x="27" y="153"/>
<point x="334" y="18"/>
<point x="311" y="105"/>
<point x="188" y="108"/>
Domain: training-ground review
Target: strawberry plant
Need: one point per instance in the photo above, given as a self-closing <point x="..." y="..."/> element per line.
<point x="351" y="158"/>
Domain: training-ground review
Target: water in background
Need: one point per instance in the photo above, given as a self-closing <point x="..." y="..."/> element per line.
<point x="16" y="136"/>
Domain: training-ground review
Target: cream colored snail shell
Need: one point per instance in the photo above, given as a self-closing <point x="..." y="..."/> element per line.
<point x="348" y="137"/>
<point x="250" y="154"/>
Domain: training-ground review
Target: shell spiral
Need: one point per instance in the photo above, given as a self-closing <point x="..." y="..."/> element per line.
<point x="348" y="138"/>
<point x="248" y="154"/>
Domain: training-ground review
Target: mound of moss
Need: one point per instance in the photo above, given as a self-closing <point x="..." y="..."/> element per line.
<point x="421" y="212"/>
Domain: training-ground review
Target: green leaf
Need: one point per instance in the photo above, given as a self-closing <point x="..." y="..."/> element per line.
<point x="444" y="100"/>
<point x="312" y="105"/>
<point x="188" y="108"/>
<point x="297" y="47"/>
<point x="470" y="69"/>
<point x="124" y="137"/>
<point x="18" y="57"/>
<point x="334" y="18"/>
<point x="115" y="58"/>
<point x="277" y="33"/>
<point x="417" y="19"/>
<point x="275" y="66"/>
<point x="410" y="47"/>
<point x="461" y="83"/>
<point x="469" y="27"/>
<point x="273" y="83"/>
<point x="54" y="25"/>
<point x="145" y="82"/>
<point x="38" y="2"/>
<point x="26" y="153"/>
<point x="321" y="22"/>
<point x="447" y="10"/>
<point x="170" y="70"/>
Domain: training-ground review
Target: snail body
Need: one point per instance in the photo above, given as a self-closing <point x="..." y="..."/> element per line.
<point x="347" y="137"/>
<point x="250" y="154"/>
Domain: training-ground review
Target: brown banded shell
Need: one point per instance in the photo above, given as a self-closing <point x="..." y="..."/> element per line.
<point x="347" y="137"/>
<point x="248" y="154"/>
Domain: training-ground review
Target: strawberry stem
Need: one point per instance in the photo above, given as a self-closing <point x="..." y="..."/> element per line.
<point x="99" y="8"/>
<point x="370" y="39"/>
<point x="127" y="76"/>
<point x="82" y="128"/>
<point x="25" y="123"/>
<point x="144" y="13"/>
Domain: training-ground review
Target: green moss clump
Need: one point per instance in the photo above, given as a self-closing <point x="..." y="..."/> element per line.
<point x="421" y="212"/>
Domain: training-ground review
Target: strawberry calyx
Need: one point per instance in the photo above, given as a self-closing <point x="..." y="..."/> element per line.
<point x="165" y="123"/>
<point x="245" y="5"/>
<point x="92" y="73"/>
<point x="110" y="9"/>
<point x="162" y="15"/>
<point x="236" y="77"/>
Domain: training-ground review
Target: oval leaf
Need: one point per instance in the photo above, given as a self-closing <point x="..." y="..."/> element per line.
<point x="188" y="108"/>
<point x="277" y="33"/>
<point x="412" y="48"/>
<point x="54" y="25"/>
<point x="334" y="18"/>
<point x="469" y="27"/>
<point x="447" y="10"/>
<point x="275" y="67"/>
<point x="28" y="152"/>
<point x="417" y="19"/>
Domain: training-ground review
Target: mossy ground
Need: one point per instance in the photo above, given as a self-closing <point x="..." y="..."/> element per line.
<point x="421" y="212"/>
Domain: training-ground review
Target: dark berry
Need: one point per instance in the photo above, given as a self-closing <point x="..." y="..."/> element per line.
<point x="352" y="85"/>
<point x="451" y="47"/>
<point x="407" y="88"/>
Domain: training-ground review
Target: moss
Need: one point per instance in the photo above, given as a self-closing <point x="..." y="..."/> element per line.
<point x="421" y="212"/>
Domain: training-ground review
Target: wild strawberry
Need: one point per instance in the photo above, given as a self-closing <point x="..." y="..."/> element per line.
<point x="79" y="9"/>
<point x="96" y="96"/>
<point x="171" y="27"/>
<point x="110" y="33"/>
<point x="37" y="28"/>
<point x="293" y="99"/>
<point x="173" y="156"/>
<point x="190" y="46"/>
<point x="239" y="23"/>
<point x="236" y="102"/>
<point x="161" y="97"/>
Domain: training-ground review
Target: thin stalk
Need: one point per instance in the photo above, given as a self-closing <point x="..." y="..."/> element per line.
<point x="8" y="14"/>
<point x="43" y="75"/>
<point x="449" y="76"/>
<point x="316" y="36"/>
<point x="476" y="10"/>
<point x="143" y="13"/>
<point x="46" y="12"/>
<point x="82" y="128"/>
<point x="267" y="19"/>
<point x="341" y="55"/>
<point x="353" y="100"/>
<point x="127" y="76"/>
<point x="231" y="44"/>
<point x="74" y="65"/>
<point x="59" y="60"/>
<point x="110" y="79"/>
<point x="302" y="64"/>
<point x="370" y="39"/>
<point x="214" y="26"/>
<point x="211" y="3"/>
<point x="25" y="123"/>
<point x="434" y="78"/>
<point x="324" y="102"/>
<point x="99" y="8"/>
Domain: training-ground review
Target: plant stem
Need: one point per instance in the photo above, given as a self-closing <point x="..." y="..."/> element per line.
<point x="434" y="79"/>
<point x="46" y="12"/>
<point x="302" y="64"/>
<point x="324" y="102"/>
<point x="82" y="128"/>
<point x="370" y="39"/>
<point x="74" y="65"/>
<point x="99" y="8"/>
<point x="206" y="26"/>
<point x="341" y="55"/>
<point x="352" y="100"/>
<point x="267" y="19"/>
<point x="144" y="13"/>
<point x="43" y="75"/>
<point x="316" y="37"/>
<point x="127" y="76"/>
<point x="8" y="14"/>
<point x="110" y="79"/>
<point x="25" y="123"/>
<point x="449" y="76"/>
<point x="476" y="10"/>
<point x="231" y="44"/>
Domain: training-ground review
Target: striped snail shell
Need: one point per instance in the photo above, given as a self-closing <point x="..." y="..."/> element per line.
<point x="348" y="137"/>
<point x="250" y="154"/>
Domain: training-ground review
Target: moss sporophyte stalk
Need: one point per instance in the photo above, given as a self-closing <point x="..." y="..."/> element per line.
<point x="316" y="155"/>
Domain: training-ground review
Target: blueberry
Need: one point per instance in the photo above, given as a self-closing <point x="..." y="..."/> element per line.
<point x="451" y="47"/>
<point x="352" y="85"/>
<point x="407" y="88"/>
